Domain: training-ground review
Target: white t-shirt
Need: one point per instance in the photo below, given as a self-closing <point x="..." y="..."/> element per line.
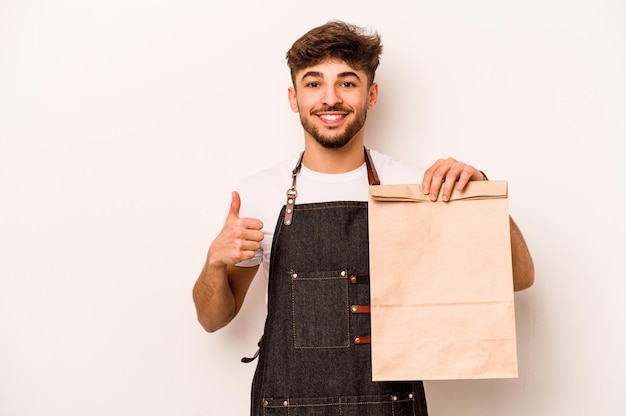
<point x="263" y="194"/>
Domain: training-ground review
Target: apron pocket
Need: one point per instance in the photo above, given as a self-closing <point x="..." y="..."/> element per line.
<point x="320" y="309"/>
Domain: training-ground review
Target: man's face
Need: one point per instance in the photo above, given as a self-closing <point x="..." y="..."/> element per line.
<point x="332" y="99"/>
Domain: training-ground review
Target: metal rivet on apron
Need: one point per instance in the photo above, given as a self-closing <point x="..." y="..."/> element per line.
<point x="288" y="222"/>
<point x="410" y="395"/>
<point x="265" y="402"/>
<point x="294" y="275"/>
<point x="394" y="398"/>
<point x="353" y="279"/>
<point x="285" y="403"/>
<point x="357" y="340"/>
<point x="343" y="273"/>
<point x="289" y="211"/>
<point x="290" y="201"/>
<point x="354" y="309"/>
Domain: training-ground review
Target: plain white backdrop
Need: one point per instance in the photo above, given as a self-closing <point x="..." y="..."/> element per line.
<point x="124" y="125"/>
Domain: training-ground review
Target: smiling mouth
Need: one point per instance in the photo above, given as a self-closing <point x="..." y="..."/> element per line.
<point x="331" y="117"/>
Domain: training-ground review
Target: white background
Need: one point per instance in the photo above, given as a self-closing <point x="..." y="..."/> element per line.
<point x="125" y="124"/>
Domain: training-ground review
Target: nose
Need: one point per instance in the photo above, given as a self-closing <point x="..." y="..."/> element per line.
<point x="331" y="96"/>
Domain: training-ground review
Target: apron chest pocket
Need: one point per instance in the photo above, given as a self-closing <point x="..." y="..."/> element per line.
<point x="320" y="309"/>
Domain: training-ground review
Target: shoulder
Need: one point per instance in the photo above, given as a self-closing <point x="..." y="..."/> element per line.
<point x="261" y="180"/>
<point x="393" y="171"/>
<point x="266" y="188"/>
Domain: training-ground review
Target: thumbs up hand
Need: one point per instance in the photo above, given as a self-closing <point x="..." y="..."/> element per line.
<point x="239" y="238"/>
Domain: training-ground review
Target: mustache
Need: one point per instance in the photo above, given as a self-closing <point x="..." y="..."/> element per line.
<point x="326" y="109"/>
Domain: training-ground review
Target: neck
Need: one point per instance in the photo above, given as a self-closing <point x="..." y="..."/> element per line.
<point x="324" y="160"/>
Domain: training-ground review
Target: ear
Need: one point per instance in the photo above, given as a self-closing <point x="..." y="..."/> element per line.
<point x="373" y="96"/>
<point x="293" y="102"/>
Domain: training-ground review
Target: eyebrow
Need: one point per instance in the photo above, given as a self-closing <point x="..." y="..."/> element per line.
<point x="318" y="74"/>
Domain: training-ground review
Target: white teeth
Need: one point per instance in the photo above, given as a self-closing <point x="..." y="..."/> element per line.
<point x="331" y="117"/>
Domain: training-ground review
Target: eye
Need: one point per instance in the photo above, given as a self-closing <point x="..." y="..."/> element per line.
<point x="313" y="84"/>
<point x="348" y="84"/>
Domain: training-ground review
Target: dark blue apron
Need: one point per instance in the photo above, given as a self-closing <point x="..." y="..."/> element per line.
<point x="315" y="356"/>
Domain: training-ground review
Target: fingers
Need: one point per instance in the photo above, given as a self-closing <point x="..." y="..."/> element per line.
<point x="244" y="238"/>
<point x="444" y="175"/>
<point x="239" y="238"/>
<point x="245" y="232"/>
<point x="435" y="177"/>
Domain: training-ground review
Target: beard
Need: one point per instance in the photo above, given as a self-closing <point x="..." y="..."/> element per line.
<point x="339" y="140"/>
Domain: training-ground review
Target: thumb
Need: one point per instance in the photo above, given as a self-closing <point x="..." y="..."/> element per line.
<point x="235" y="205"/>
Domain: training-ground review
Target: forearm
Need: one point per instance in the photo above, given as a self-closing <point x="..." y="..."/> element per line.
<point x="523" y="266"/>
<point x="213" y="298"/>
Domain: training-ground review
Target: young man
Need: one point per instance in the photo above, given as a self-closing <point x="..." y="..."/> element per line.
<point x="312" y="241"/>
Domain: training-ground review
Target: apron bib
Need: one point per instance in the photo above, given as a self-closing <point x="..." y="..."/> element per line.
<point x="315" y="356"/>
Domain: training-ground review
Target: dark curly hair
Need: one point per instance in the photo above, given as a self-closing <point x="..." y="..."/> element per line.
<point x="354" y="45"/>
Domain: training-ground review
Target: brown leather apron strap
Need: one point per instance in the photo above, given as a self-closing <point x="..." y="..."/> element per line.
<point x="372" y="175"/>
<point x="292" y="193"/>
<point x="357" y="280"/>
<point x="365" y="339"/>
<point x="360" y="308"/>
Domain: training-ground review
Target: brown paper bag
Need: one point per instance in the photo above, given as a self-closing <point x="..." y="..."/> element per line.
<point x="441" y="284"/>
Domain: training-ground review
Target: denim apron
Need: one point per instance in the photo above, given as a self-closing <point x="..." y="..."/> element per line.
<point x="315" y="356"/>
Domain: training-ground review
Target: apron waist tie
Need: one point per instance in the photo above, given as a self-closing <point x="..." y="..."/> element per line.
<point x="247" y="360"/>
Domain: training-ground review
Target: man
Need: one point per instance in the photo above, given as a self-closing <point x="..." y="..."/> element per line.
<point x="314" y="356"/>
